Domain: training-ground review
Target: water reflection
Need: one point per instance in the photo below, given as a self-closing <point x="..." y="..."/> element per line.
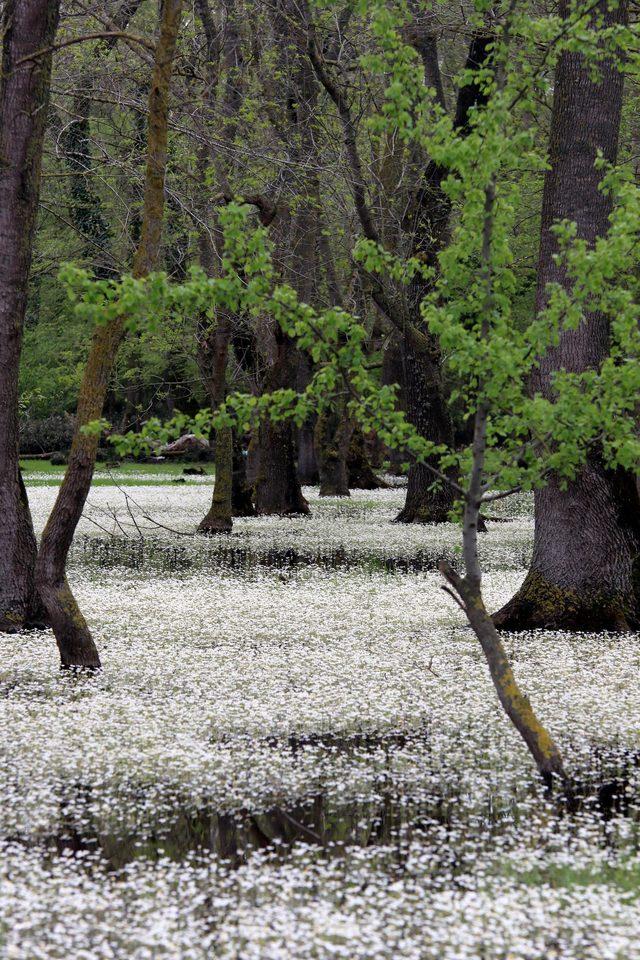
<point x="107" y="553"/>
<point x="448" y="822"/>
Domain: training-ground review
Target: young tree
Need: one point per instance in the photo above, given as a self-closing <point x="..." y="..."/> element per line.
<point x="74" y="639"/>
<point x="28" y="31"/>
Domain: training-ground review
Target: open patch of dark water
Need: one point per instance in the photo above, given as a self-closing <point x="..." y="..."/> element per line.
<point x="225" y="556"/>
<point x="390" y="819"/>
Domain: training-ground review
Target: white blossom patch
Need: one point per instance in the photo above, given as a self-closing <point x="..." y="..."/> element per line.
<point x="234" y="689"/>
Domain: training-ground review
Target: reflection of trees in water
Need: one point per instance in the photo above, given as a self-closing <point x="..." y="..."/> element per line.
<point x="391" y="820"/>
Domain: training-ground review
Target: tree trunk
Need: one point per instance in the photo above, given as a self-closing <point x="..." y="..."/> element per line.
<point x="361" y="474"/>
<point x="277" y="488"/>
<point x="253" y="460"/>
<point x="468" y="589"/>
<point x="333" y="435"/>
<point x="241" y="490"/>
<point x="27" y="26"/>
<point x="72" y="634"/>
<point x="224" y="55"/>
<point x="307" y="460"/>
<point x="218" y="518"/>
<point x="213" y="355"/>
<point x="277" y="485"/>
<point x="585" y="569"/>
<point x="428" y="500"/>
<point x="426" y="395"/>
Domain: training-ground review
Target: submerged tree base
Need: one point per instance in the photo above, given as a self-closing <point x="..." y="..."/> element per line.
<point x="540" y="604"/>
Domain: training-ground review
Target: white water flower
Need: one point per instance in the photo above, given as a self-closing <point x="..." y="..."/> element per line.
<point x="351" y="694"/>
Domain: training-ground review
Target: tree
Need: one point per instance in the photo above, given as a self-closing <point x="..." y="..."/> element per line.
<point x="28" y="32"/>
<point x="521" y="439"/>
<point x="585" y="569"/>
<point x="422" y="231"/>
<point x="74" y="639"/>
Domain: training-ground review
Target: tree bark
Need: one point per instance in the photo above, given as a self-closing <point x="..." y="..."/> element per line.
<point x="213" y="355"/>
<point x="426" y="395"/>
<point x="241" y="491"/>
<point x="231" y="496"/>
<point x="333" y="436"/>
<point x="307" y="460"/>
<point x="75" y="643"/>
<point x="27" y="26"/>
<point x="427" y="409"/>
<point x="361" y="473"/>
<point x="277" y="488"/>
<point x="585" y="569"/>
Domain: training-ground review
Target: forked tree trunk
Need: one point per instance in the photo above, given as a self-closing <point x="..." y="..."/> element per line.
<point x="74" y="639"/>
<point x="28" y="26"/>
<point x="585" y="569"/>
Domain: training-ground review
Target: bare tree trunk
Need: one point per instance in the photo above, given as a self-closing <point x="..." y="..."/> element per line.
<point x="74" y="639"/>
<point x="585" y="570"/>
<point x="27" y="26"/>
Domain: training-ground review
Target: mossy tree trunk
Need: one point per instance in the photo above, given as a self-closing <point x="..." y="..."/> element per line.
<point x="585" y="569"/>
<point x="75" y="643"/>
<point x="28" y="26"/>
<point x="467" y="590"/>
